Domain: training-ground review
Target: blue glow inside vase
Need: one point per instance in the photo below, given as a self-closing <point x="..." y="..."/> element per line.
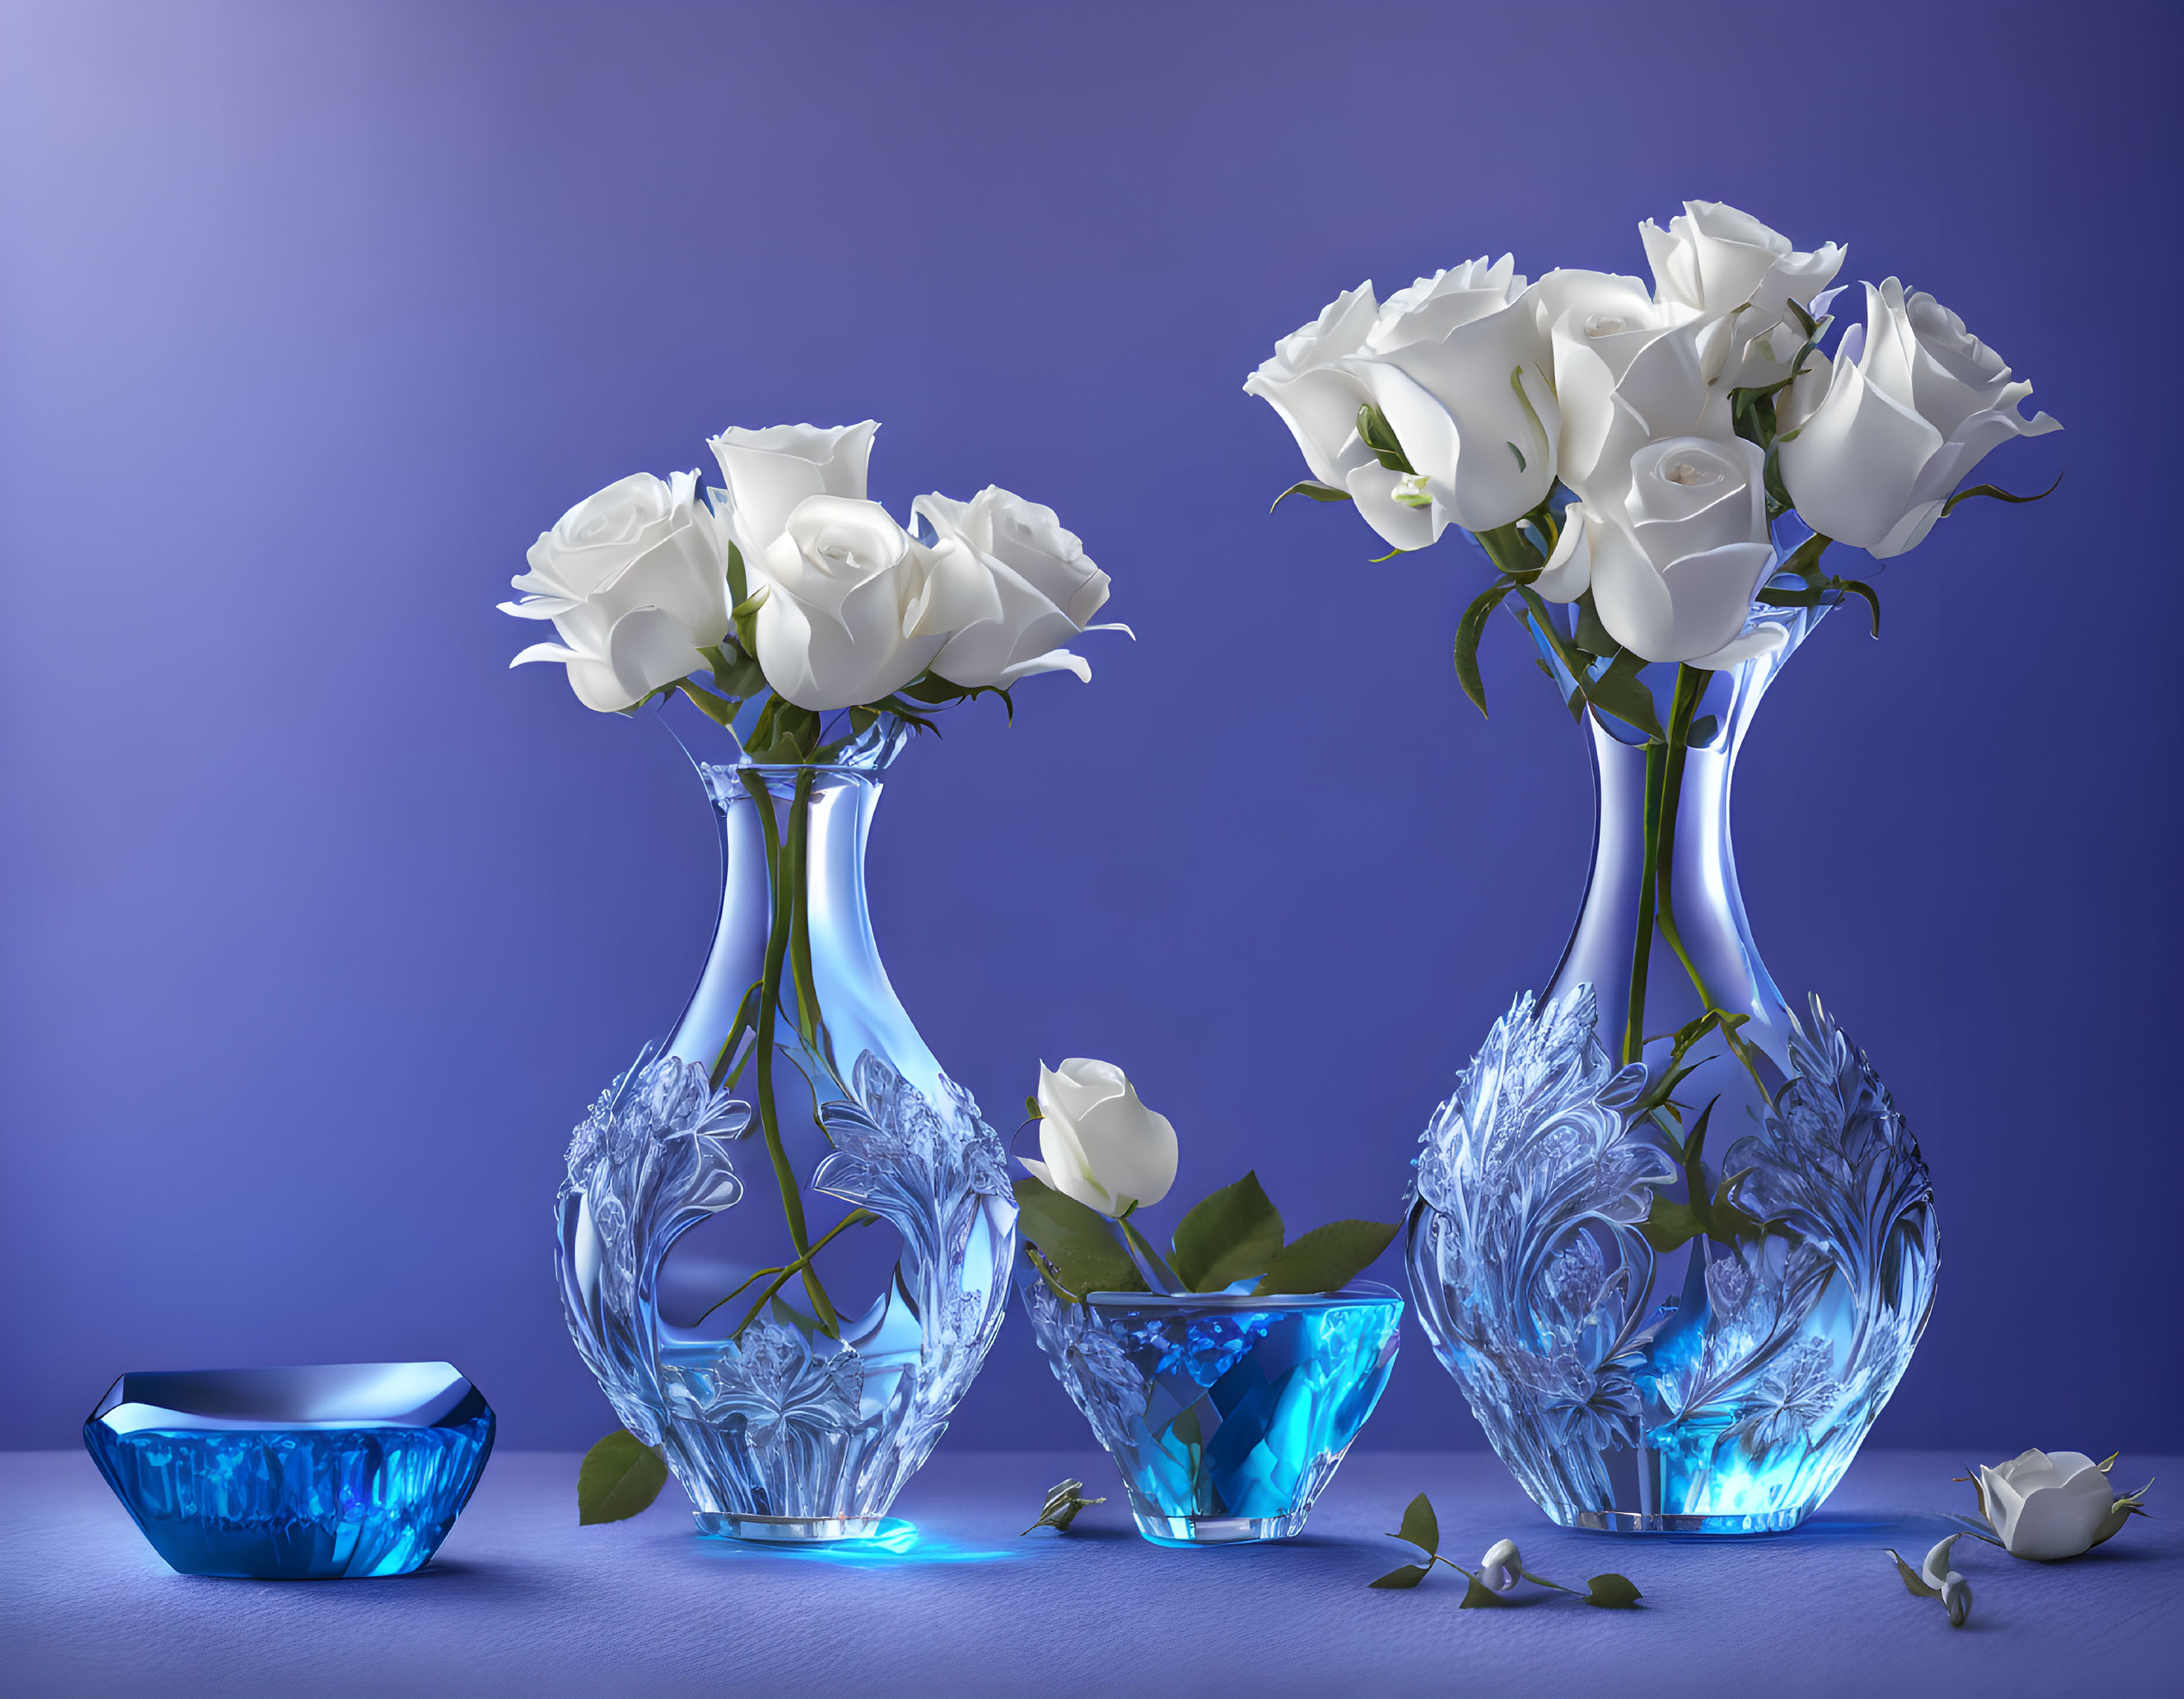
<point x="306" y="1473"/>
<point x="1226" y="1414"/>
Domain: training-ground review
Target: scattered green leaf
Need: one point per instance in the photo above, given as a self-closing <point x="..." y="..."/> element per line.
<point x="620" y="1476"/>
<point x="1477" y="1596"/>
<point x="1409" y="1576"/>
<point x="1421" y="1527"/>
<point x="1231" y="1234"/>
<point x="1326" y="1258"/>
<point x="1064" y="1501"/>
<point x="1613" y="1593"/>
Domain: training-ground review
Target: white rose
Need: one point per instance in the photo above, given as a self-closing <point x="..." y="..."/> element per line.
<point x="1459" y="372"/>
<point x="1457" y="364"/>
<point x="850" y="613"/>
<point x="1029" y="579"/>
<point x="1627" y="371"/>
<point x="1913" y="402"/>
<point x="1097" y="1143"/>
<point x="848" y="616"/>
<point x="1717" y="263"/>
<point x="2050" y="1504"/>
<point x="1674" y="566"/>
<point x="635" y="582"/>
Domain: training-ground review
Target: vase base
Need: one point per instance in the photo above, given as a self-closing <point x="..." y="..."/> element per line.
<point x="1219" y="1530"/>
<point x="1699" y="1527"/>
<point x="786" y="1530"/>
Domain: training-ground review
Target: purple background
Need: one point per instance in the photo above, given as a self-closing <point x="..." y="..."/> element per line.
<point x="320" y="929"/>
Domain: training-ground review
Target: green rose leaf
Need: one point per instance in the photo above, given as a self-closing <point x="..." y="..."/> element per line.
<point x="1469" y="630"/>
<point x="1409" y="1576"/>
<point x="1231" y="1235"/>
<point x="620" y="1476"/>
<point x="1478" y="1596"/>
<point x="1613" y="1593"/>
<point x="1077" y="1243"/>
<point x="1420" y="1526"/>
<point x="1325" y="1258"/>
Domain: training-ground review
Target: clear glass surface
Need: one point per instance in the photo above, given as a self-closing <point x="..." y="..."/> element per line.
<point x="776" y="1430"/>
<point x="303" y="1473"/>
<point x="1226" y="1414"/>
<point x="1721" y="1386"/>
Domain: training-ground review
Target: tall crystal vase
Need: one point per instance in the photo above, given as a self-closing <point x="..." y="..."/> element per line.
<point x="1672" y="1238"/>
<point x="819" y="1117"/>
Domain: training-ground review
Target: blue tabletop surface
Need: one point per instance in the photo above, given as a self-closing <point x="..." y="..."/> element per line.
<point x="523" y="1601"/>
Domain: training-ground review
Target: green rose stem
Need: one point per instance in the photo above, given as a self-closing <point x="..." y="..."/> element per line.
<point x="1661" y="858"/>
<point x="777" y="947"/>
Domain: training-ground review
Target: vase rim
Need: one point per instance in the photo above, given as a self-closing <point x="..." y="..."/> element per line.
<point x="1355" y="1294"/>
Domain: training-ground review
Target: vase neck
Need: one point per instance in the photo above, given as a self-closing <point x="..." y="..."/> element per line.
<point x="816" y="821"/>
<point x="1648" y="794"/>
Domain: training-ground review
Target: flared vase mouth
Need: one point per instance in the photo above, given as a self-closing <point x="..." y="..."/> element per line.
<point x="1359" y="1294"/>
<point x="865" y="752"/>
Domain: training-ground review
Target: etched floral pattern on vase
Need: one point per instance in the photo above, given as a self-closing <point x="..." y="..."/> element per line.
<point x="778" y="1427"/>
<point x="1677" y="1282"/>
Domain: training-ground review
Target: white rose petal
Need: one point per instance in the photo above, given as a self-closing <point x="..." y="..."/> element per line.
<point x="1317" y="396"/>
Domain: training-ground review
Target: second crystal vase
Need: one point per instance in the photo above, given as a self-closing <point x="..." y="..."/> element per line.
<point x="795" y="1091"/>
<point x="1673" y="1239"/>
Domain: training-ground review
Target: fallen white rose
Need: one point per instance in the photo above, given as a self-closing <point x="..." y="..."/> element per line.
<point x="2049" y="1505"/>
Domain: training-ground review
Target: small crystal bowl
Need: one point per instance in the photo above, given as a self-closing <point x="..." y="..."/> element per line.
<point x="294" y="1475"/>
<point x="1226" y="1414"/>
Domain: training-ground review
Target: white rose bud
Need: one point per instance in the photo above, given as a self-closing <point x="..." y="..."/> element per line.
<point x="635" y="581"/>
<point x="1097" y="1143"/>
<point x="2048" y="1505"/>
<point x="1502" y="1568"/>
<point x="1673" y="567"/>
<point x="1914" y="402"/>
<point x="1029" y="579"/>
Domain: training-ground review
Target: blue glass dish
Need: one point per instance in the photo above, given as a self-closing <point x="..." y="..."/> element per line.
<point x="1226" y="1414"/>
<point x="294" y="1475"/>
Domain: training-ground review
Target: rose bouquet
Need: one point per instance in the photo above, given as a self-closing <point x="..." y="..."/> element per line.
<point x="1649" y="471"/>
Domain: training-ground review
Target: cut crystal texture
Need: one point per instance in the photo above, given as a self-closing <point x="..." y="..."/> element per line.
<point x="295" y="1474"/>
<point x="1721" y="1383"/>
<point x="1226" y="1414"/>
<point x="775" y="1428"/>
